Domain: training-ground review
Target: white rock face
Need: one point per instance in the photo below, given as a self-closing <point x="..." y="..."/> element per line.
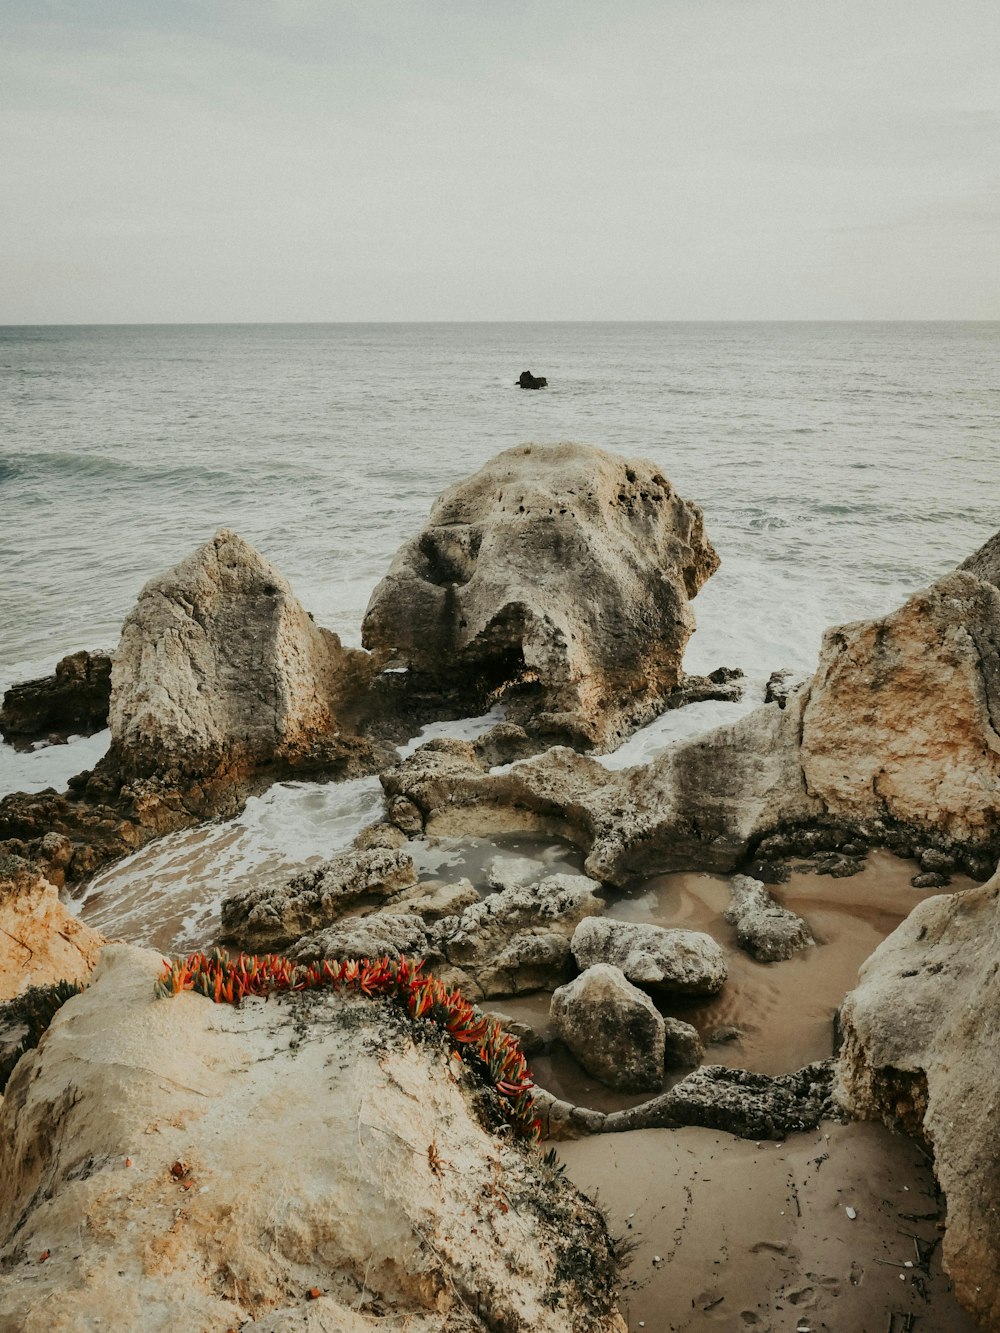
<point x="613" y="1028"/>
<point x="351" y="1163"/>
<point x="922" y="1052"/>
<point x="682" y="962"/>
<point x="219" y="666"/>
<point x="559" y="575"/>
<point x="768" y="931"/>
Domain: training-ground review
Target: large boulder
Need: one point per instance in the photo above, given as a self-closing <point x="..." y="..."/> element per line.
<point x="72" y="702"/>
<point x="676" y="962"/>
<point x="921" y="1051"/>
<point x="903" y="713"/>
<point x="558" y="578"/>
<point x="765" y="929"/>
<point x="220" y="668"/>
<point x="613" y="1028"/>
<point x="181" y="1164"/>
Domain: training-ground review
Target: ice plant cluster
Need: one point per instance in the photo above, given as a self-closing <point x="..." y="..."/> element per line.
<point x="480" y="1041"/>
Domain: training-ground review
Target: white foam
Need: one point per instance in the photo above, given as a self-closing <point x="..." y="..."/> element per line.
<point x="462" y="729"/>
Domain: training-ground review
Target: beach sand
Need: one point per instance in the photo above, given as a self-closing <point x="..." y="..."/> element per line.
<point x="756" y="1238"/>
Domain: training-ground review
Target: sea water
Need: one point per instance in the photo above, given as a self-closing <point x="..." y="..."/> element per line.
<point x="840" y="466"/>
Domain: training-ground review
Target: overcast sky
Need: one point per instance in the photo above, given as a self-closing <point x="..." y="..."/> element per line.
<point x="189" y="160"/>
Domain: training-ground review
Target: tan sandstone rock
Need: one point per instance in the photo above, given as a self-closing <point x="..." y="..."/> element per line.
<point x="182" y="1164"/>
<point x="557" y="577"/>
<point x="903" y="714"/>
<point x="921" y="1051"/>
<point x="41" y="942"/>
<point x="220" y="667"/>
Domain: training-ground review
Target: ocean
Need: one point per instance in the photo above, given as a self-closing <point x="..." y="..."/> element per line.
<point x="840" y="467"/>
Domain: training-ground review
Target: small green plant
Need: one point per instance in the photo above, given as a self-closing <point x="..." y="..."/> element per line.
<point x="35" y="1009"/>
<point x="493" y="1054"/>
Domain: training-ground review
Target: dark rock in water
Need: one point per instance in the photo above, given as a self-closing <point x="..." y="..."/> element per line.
<point x="529" y="381"/>
<point x="769" y="872"/>
<point x="839" y="867"/>
<point x="930" y="879"/>
<point x="723" y="685"/>
<point x="72" y="702"/>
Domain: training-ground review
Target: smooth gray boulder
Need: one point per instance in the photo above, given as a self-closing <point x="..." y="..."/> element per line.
<point x="558" y="578"/>
<point x="679" y="962"/>
<point x="765" y="929"/>
<point x="612" y="1027"/>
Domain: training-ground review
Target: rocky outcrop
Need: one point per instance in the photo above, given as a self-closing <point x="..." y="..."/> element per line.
<point x="676" y="962"/>
<point x="41" y="942"/>
<point x="519" y="940"/>
<point x="220" y="684"/>
<point x="921" y="1051"/>
<point x="614" y="1029"/>
<point x="377" y="935"/>
<point x="765" y="929"/>
<point x="557" y="578"/>
<point x="220" y="668"/>
<point x="903" y="714"/>
<point x="72" y="702"/>
<point x="297" y="1163"/>
<point x="262" y="920"/>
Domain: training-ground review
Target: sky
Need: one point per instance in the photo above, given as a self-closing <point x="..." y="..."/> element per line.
<point x="328" y="160"/>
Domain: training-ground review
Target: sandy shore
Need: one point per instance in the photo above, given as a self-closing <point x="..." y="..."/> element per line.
<point x="740" y="1236"/>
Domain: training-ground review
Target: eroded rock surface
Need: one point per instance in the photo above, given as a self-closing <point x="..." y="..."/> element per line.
<point x="41" y="942"/>
<point x="266" y="919"/>
<point x="921" y="1051"/>
<point x="72" y="702"/>
<point x="678" y="962"/>
<point x="613" y="1028"/>
<point x="765" y="929"/>
<point x="558" y="578"/>
<point x="350" y="1161"/>
<point x="220" y="668"/>
<point x="519" y="939"/>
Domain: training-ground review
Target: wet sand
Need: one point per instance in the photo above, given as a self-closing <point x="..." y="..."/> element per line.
<point x="755" y="1238"/>
<point x="784" y="1010"/>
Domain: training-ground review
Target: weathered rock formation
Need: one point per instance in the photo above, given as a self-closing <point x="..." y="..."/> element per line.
<point x="613" y="1028"/>
<point x="221" y="669"/>
<point x="221" y="681"/>
<point x="262" y="920"/>
<point x="519" y="939"/>
<point x="682" y="1044"/>
<point x="183" y="1164"/>
<point x="893" y="742"/>
<point x="765" y="929"/>
<point x="675" y="962"/>
<point x="557" y="578"/>
<point x="41" y="942"/>
<point x="72" y="702"/>
<point x="921" y="1051"/>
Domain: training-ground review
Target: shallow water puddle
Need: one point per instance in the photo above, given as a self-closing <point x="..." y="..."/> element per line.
<point x="785" y="1010"/>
